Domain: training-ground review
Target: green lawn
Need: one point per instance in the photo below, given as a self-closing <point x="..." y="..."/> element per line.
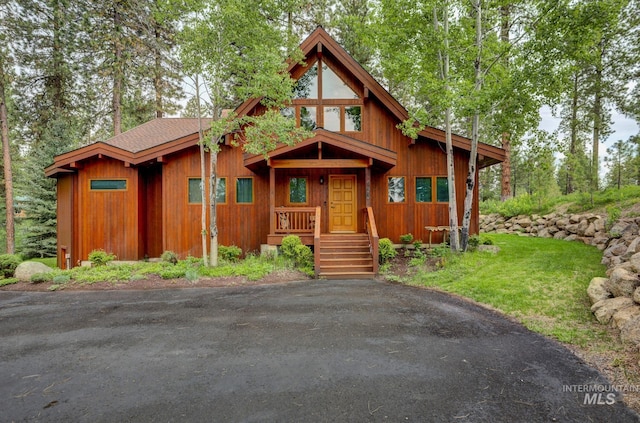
<point x="541" y="282"/>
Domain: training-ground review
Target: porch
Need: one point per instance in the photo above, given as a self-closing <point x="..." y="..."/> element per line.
<point x="341" y="255"/>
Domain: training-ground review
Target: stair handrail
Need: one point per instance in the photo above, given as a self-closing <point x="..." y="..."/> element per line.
<point x="316" y="242"/>
<point x="372" y="231"/>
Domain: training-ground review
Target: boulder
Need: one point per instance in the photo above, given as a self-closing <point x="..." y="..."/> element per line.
<point x="621" y="317"/>
<point x="630" y="331"/>
<point x="622" y="283"/>
<point x="634" y="247"/>
<point x="560" y="235"/>
<point x="597" y="290"/>
<point x="591" y="230"/>
<point x="26" y="269"/>
<point x="605" y="309"/>
<point x="600" y="224"/>
<point x="634" y="262"/>
<point x="636" y="295"/>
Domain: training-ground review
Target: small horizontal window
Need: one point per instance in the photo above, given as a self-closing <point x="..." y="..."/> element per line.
<point x="108" y="184"/>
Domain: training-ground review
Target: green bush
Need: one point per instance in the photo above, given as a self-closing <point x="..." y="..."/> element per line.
<point x="169" y="257"/>
<point x="172" y="272"/>
<point x="8" y="264"/>
<point x="289" y="244"/>
<point x="100" y="257"/>
<point x="303" y="256"/>
<point x="406" y="239"/>
<point x="386" y="251"/>
<point x="40" y="278"/>
<point x="60" y="279"/>
<point x="192" y="274"/>
<point x="230" y="253"/>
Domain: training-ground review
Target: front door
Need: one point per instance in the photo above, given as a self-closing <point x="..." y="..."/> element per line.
<point x="342" y="203"/>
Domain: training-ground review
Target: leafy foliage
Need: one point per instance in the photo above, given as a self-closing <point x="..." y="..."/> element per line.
<point x="386" y="251"/>
<point x="8" y="264"/>
<point x="169" y="257"/>
<point x="100" y="257"/>
<point x="231" y="253"/>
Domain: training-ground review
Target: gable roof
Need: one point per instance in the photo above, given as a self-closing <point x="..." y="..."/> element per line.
<point x="141" y="144"/>
<point x="320" y="39"/>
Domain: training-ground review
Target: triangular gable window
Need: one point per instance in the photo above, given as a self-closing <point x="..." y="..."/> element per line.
<point x="333" y="86"/>
<point x="308" y="86"/>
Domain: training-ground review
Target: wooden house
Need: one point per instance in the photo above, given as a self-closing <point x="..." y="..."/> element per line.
<point x="358" y="179"/>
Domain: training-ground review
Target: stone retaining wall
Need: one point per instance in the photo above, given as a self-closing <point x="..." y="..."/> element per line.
<point x="615" y="299"/>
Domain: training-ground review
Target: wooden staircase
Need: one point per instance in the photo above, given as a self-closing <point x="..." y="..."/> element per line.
<point x="345" y="256"/>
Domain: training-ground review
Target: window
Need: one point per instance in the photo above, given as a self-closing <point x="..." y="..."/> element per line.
<point x="297" y="190"/>
<point x="353" y="118"/>
<point x="108" y="184"/>
<point x="321" y="98"/>
<point x="308" y="118"/>
<point x="195" y="191"/>
<point x="332" y="118"/>
<point x="221" y="191"/>
<point x="396" y="189"/>
<point x="442" y="189"/>
<point x="423" y="190"/>
<point x="333" y="86"/>
<point x="244" y="190"/>
<point x="307" y="85"/>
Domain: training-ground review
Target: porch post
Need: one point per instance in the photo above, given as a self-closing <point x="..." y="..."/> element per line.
<point x="367" y="183"/>
<point x="272" y="200"/>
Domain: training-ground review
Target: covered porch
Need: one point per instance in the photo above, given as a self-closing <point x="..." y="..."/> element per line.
<point x="321" y="189"/>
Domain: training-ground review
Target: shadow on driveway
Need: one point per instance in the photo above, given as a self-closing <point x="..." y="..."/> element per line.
<point x="308" y="351"/>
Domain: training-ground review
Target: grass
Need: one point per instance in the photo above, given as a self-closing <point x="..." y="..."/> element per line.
<point x="541" y="282"/>
<point x="252" y="267"/>
<point x="575" y="203"/>
<point x="49" y="261"/>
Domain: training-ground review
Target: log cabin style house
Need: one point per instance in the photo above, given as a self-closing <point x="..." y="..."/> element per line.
<point x="357" y="180"/>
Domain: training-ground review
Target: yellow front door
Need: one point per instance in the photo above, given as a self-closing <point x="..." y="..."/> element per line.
<point x="342" y="203"/>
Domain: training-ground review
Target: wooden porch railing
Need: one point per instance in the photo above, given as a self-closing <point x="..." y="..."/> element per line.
<point x="316" y="241"/>
<point x="295" y="220"/>
<point x="372" y="231"/>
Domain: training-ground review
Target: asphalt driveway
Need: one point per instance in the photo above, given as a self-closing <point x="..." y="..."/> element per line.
<point x="308" y="351"/>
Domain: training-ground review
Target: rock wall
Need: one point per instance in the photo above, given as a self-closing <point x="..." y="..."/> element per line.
<point x="615" y="299"/>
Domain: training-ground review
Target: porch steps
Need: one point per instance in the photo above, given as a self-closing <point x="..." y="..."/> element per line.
<point x="345" y="256"/>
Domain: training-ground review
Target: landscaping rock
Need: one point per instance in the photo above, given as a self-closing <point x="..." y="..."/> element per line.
<point x="622" y="317"/>
<point x="630" y="331"/>
<point x="622" y="283"/>
<point x="605" y="309"/>
<point x="26" y="269"/>
<point x="597" y="290"/>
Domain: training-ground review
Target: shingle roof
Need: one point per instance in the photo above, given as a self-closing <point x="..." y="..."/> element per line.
<point x="156" y="132"/>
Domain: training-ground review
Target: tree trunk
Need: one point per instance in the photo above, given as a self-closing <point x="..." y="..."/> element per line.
<point x="157" y="76"/>
<point x="574" y="134"/>
<point x="451" y="173"/>
<point x="6" y="152"/>
<point x="213" y="225"/>
<point x="505" y="191"/>
<point x="203" y="177"/>
<point x="118" y="72"/>
<point x="597" y="123"/>
<point x="475" y="135"/>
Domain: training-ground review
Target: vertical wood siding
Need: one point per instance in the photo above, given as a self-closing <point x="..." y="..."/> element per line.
<point x="107" y="219"/>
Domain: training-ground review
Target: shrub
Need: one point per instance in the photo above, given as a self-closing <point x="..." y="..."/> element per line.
<point x="169" y="257"/>
<point x="192" y="275"/>
<point x="303" y="256"/>
<point x="172" y="272"/>
<point x="8" y="264"/>
<point x="385" y="250"/>
<point x="100" y="257"/>
<point x="289" y="244"/>
<point x="406" y="239"/>
<point x="60" y="279"/>
<point x="40" y="277"/>
<point x="230" y="253"/>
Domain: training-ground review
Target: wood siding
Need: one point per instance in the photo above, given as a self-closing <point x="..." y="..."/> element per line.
<point x="107" y="219"/>
<point x="65" y="220"/>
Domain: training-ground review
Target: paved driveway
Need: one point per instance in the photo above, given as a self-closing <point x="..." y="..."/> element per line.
<point x="308" y="351"/>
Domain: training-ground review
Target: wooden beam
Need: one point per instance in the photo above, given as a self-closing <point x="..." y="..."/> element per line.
<point x="160" y="159"/>
<point x="319" y="164"/>
<point x="319" y="50"/>
<point x="75" y="165"/>
<point x="320" y="150"/>
<point x="127" y="164"/>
